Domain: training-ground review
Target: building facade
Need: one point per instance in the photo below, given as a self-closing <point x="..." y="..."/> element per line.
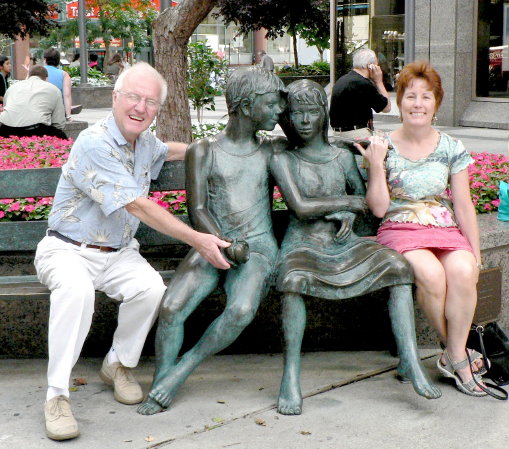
<point x="467" y="41"/>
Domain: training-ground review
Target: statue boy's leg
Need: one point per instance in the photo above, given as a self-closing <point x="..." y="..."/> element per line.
<point x="294" y="323"/>
<point x="194" y="280"/>
<point x="245" y="286"/>
<point x="401" y="311"/>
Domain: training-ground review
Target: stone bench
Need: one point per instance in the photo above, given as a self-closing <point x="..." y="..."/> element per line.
<point x="24" y="322"/>
<point x="73" y="127"/>
<point x="353" y="324"/>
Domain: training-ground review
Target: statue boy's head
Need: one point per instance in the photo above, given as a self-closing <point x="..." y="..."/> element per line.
<point x="244" y="90"/>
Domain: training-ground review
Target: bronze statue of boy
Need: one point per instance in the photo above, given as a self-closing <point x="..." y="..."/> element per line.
<point x="227" y="182"/>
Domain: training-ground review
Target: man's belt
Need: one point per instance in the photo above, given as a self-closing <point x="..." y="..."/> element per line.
<point x="344" y="129"/>
<point x="107" y="249"/>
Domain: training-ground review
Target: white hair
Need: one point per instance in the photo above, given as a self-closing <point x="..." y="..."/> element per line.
<point x="364" y="57"/>
<point x="146" y="70"/>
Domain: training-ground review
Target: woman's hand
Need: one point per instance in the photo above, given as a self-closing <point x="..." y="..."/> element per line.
<point x="376" y="152"/>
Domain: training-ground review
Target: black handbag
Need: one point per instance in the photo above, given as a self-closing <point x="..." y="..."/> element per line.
<point x="491" y="341"/>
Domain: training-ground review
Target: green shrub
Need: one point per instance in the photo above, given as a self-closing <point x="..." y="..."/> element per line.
<point x="94" y="76"/>
<point x="317" y="68"/>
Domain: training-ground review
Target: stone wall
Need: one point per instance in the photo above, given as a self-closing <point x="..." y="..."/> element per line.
<point x="91" y="97"/>
<point x="323" y="80"/>
<point x="495" y="253"/>
<point x="74" y="127"/>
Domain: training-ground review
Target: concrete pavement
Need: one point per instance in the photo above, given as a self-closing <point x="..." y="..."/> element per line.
<point x="353" y="401"/>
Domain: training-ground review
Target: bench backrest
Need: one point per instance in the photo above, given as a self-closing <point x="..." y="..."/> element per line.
<point x="42" y="182"/>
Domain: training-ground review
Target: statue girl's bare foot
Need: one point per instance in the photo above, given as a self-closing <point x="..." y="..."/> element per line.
<point x="290" y="396"/>
<point x="149" y="407"/>
<point x="414" y="372"/>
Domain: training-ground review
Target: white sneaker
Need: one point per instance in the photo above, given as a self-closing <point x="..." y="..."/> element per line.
<point x="60" y="422"/>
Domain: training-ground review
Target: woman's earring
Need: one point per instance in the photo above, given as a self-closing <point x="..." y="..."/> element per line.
<point x="434" y="119"/>
<point x="400" y="117"/>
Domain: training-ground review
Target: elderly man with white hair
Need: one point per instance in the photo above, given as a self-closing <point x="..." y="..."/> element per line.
<point x="356" y="94"/>
<point x="99" y="202"/>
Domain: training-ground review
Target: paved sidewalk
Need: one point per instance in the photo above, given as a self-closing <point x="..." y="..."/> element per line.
<point x="474" y="139"/>
<point x="353" y="402"/>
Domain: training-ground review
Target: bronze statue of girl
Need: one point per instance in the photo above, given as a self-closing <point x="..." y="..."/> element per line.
<point x="320" y="255"/>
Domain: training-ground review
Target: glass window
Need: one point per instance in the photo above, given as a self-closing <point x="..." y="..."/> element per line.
<point x="238" y="48"/>
<point x="280" y="49"/>
<point x="379" y="25"/>
<point x="492" y="68"/>
<point x="388" y="38"/>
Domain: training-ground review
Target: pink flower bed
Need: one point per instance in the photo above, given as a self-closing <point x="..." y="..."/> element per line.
<point x="34" y="152"/>
<point x="39" y="152"/>
<point x="485" y="175"/>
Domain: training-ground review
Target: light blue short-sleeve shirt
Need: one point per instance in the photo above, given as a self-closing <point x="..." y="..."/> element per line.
<point x="102" y="175"/>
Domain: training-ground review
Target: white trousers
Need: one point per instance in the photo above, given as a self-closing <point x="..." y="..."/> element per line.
<point x="73" y="273"/>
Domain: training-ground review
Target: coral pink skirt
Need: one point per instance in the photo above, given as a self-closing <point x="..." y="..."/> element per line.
<point x="410" y="236"/>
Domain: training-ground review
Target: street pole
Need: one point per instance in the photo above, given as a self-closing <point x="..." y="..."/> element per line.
<point x="14" y="61"/>
<point x="83" y="42"/>
<point x="409" y="31"/>
<point x="333" y="44"/>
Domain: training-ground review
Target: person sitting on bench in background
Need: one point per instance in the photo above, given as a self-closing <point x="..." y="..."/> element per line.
<point x="33" y="107"/>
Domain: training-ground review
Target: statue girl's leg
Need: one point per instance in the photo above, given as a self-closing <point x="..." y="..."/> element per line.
<point x="294" y="323"/>
<point x="245" y="286"/>
<point x="401" y="311"/>
<point x="194" y="280"/>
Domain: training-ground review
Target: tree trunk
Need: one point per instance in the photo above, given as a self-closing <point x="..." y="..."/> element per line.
<point x="172" y="30"/>
<point x="295" y="52"/>
<point x="107" y="56"/>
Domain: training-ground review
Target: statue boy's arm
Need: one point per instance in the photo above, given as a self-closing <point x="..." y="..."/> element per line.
<point x="198" y="163"/>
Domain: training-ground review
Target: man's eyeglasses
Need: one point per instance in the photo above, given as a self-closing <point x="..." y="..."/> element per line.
<point x="134" y="99"/>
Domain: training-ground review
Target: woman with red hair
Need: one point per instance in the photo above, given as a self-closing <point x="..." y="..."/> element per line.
<point x="420" y="188"/>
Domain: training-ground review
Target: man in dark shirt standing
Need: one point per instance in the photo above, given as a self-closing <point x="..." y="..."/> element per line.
<point x="355" y="95"/>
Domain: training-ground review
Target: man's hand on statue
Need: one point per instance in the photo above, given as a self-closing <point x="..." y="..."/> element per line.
<point x="209" y="246"/>
<point x="376" y="152"/>
<point x="237" y="252"/>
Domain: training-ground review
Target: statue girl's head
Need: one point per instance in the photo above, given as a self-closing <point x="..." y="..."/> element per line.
<point x="307" y="92"/>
